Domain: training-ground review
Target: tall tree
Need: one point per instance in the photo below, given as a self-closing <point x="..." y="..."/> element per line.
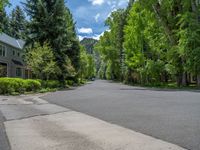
<point x="50" y="21"/>
<point x="18" y="23"/>
<point x="73" y="50"/>
<point x="4" y="23"/>
<point x="112" y="41"/>
<point x="3" y="3"/>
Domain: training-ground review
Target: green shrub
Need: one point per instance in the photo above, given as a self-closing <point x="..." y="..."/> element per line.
<point x="69" y="82"/>
<point x="17" y="85"/>
<point x="50" y="84"/>
<point x="53" y="84"/>
<point x="32" y="85"/>
<point x="44" y="90"/>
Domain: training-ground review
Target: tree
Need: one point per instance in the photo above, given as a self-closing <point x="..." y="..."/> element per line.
<point x="3" y="3"/>
<point x="51" y="21"/>
<point x="87" y="65"/>
<point x="83" y="70"/>
<point x="18" y="23"/>
<point x="111" y="45"/>
<point x="89" y="45"/>
<point x="42" y="61"/>
<point x="4" y="24"/>
<point x="73" y="50"/>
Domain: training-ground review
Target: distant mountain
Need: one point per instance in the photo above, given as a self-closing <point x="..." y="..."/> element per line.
<point x="89" y="44"/>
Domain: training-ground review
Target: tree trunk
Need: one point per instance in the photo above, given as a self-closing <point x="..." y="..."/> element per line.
<point x="179" y="79"/>
<point x="184" y="79"/>
<point x="198" y="80"/>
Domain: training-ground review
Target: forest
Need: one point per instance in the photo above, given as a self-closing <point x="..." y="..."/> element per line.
<point x="154" y="42"/>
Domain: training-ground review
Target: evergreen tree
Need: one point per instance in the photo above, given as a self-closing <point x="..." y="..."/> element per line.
<point x="73" y="50"/>
<point x="18" y="23"/>
<point x="4" y="23"/>
<point x="51" y="21"/>
<point x="3" y="3"/>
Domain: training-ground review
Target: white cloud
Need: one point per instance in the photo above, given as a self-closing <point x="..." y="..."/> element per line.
<point x="97" y="17"/>
<point x="97" y="2"/>
<point x="80" y="37"/>
<point x="85" y="30"/>
<point x="96" y="36"/>
<point x="119" y="3"/>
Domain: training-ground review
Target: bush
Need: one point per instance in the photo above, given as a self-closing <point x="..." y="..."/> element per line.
<point x="50" y="84"/>
<point x="32" y="85"/>
<point x="16" y="85"/>
<point x="69" y="82"/>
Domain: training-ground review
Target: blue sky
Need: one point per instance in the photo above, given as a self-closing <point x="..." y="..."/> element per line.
<point x="89" y="15"/>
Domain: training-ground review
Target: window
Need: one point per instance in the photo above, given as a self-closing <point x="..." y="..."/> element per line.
<point x="13" y="52"/>
<point x="18" y="72"/>
<point x="3" y="69"/>
<point x="18" y="54"/>
<point x="2" y="51"/>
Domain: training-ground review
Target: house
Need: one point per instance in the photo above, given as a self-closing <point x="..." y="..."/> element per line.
<point x="11" y="58"/>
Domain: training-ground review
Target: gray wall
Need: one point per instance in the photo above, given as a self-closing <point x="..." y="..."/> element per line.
<point x="8" y="59"/>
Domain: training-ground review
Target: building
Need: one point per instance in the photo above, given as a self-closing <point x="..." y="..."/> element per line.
<point x="11" y="58"/>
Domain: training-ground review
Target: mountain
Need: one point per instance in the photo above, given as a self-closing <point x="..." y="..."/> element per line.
<point x="89" y="44"/>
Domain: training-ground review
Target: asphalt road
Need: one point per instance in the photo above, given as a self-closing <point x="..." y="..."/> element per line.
<point x="173" y="116"/>
<point x="32" y="123"/>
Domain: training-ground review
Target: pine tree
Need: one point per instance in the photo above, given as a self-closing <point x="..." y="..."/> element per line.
<point x="18" y="23"/>
<point x="73" y="50"/>
<point x="3" y="3"/>
<point x="51" y="22"/>
<point x="4" y="23"/>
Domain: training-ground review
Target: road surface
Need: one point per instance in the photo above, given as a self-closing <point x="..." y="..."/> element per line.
<point x="32" y="123"/>
<point x="101" y="115"/>
<point x="170" y="115"/>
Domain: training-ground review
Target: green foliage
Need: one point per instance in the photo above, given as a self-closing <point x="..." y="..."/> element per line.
<point x="15" y="85"/>
<point x="160" y="43"/>
<point x="42" y="61"/>
<point x="4" y="23"/>
<point x="109" y="71"/>
<point x="51" y="84"/>
<point x="3" y="3"/>
<point x="87" y="65"/>
<point x="69" y="82"/>
<point x="110" y="45"/>
<point x="31" y="85"/>
<point x="52" y="21"/>
<point x="18" y="23"/>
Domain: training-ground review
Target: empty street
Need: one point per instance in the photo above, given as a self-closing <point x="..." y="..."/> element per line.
<point x="170" y="115"/>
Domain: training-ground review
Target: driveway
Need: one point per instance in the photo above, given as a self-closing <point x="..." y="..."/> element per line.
<point x="170" y="115"/>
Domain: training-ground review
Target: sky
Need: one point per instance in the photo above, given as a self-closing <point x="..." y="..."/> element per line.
<point x="89" y="15"/>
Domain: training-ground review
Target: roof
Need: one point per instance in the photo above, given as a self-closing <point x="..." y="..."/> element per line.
<point x="17" y="62"/>
<point x="4" y="38"/>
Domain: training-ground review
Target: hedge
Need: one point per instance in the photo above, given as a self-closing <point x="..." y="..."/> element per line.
<point x="52" y="84"/>
<point x="17" y="85"/>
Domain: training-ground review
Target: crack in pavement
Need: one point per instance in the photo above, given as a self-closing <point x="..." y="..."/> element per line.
<point x="45" y="114"/>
